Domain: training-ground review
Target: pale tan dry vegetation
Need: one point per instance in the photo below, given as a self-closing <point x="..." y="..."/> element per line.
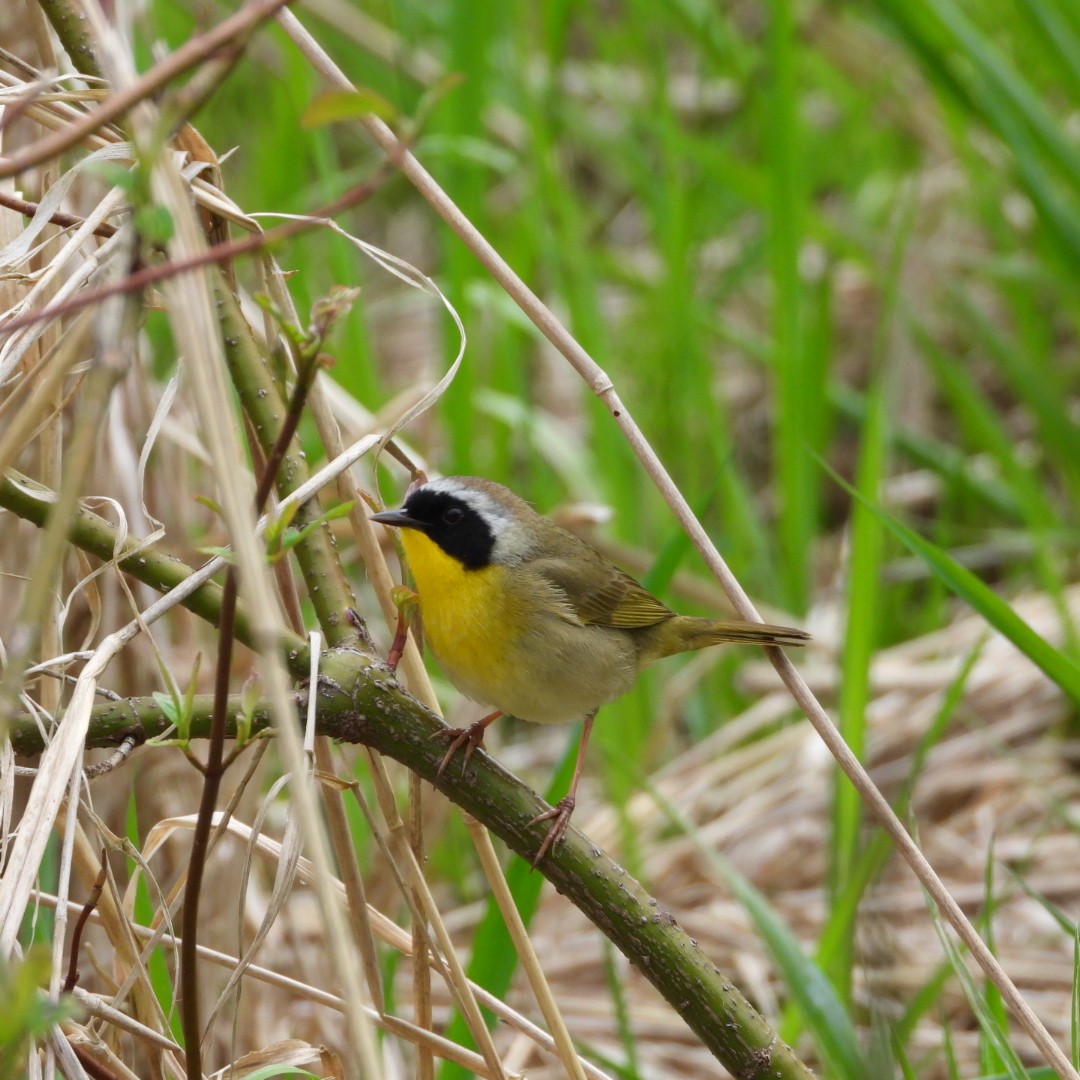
<point x="758" y="790"/>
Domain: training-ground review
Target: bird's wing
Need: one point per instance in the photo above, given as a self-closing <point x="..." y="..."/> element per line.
<point x="601" y="594"/>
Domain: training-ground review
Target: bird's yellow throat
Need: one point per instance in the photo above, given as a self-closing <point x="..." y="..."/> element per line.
<point x="434" y="572"/>
<point x="469" y="616"/>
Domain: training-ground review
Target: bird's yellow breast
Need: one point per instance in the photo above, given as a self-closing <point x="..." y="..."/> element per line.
<point x="509" y="638"/>
<point x="472" y="621"/>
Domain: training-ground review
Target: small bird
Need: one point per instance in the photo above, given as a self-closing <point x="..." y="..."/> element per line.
<point x="527" y="617"/>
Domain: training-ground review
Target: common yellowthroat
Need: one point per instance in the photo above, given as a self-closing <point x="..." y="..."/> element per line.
<point x="527" y="617"/>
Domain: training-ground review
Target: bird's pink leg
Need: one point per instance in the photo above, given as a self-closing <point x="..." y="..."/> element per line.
<point x="559" y="814"/>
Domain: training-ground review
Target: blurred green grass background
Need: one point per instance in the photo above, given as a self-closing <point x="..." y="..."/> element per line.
<point x="791" y="233"/>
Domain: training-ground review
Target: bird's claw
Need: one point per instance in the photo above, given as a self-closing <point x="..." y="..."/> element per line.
<point x="559" y="816"/>
<point x="470" y="737"/>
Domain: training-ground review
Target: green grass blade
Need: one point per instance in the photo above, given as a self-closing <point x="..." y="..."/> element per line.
<point x="845" y="904"/>
<point x="988" y="1024"/>
<point x="961" y="60"/>
<point x="826" y="1017"/>
<point x="860" y="639"/>
<point x="1013" y="89"/>
<point x="984" y="430"/>
<point x="900" y="1056"/>
<point x="796" y="398"/>
<point x="494" y="959"/>
<point x="161" y="978"/>
<point x="1040" y="386"/>
<point x="622" y="1010"/>
<point x="1074" y="1004"/>
<point x="824" y="1013"/>
<point x="920" y="1003"/>
<point x="1057" y="36"/>
<point x="1041" y="1073"/>
<point x="939" y="457"/>
<point x="1048" y="905"/>
<point x="863" y="607"/>
<point x="989" y="1056"/>
<point x="947" y="1044"/>
<point x="964" y="584"/>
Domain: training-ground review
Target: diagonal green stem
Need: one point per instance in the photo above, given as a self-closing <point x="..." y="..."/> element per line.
<point x="148" y="564"/>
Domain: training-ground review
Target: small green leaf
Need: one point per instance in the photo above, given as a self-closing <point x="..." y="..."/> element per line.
<point x="333" y="307"/>
<point x="334" y="106"/>
<point x="25" y="1011"/>
<point x="210" y="504"/>
<point x="277" y="526"/>
<point x="177" y="713"/>
<point x="155" y="223"/>
<point x="338" y="510"/>
<point x="119" y="176"/>
<point x="168" y="705"/>
<point x="217" y="552"/>
<point x="404" y="598"/>
<point x="292" y="537"/>
<point x="297" y="335"/>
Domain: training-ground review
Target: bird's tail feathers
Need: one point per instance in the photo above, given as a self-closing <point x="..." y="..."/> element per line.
<point x="691" y="633"/>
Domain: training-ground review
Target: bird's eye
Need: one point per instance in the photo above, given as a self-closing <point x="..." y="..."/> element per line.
<point x="453" y="515"/>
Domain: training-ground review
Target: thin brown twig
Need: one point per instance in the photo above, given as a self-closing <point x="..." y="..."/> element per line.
<point x="115" y="759"/>
<point x="219" y="253"/>
<point x="95" y="1069"/>
<point x="305" y="377"/>
<point x="232" y="31"/>
<point x="80" y="925"/>
<point x="200" y="837"/>
<point x="65" y="221"/>
<point x="19" y="107"/>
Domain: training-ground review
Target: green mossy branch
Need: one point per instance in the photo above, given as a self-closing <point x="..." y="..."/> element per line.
<point x="70" y="26"/>
<point x="360" y="702"/>
<point x="262" y="401"/>
<point x="148" y="564"/>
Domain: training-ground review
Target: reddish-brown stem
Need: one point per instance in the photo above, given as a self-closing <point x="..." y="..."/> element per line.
<point x="219" y="253"/>
<point x="65" y="221"/>
<point x="93" y="1068"/>
<point x="216" y="763"/>
<point x="231" y="31"/>
<point x="200" y="840"/>
<point x="80" y="924"/>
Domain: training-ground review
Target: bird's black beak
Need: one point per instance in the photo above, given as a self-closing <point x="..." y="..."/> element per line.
<point x="398" y="518"/>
